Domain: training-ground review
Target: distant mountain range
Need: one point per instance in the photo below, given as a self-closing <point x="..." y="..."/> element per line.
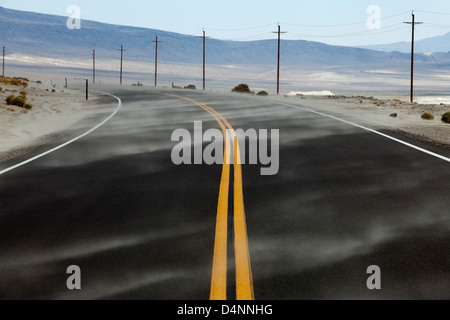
<point x="435" y="44"/>
<point x="42" y="35"/>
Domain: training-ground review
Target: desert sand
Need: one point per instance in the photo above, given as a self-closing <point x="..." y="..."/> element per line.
<point x="396" y="115"/>
<point x="55" y="111"/>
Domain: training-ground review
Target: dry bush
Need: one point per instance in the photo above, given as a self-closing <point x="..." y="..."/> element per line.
<point x="427" y="116"/>
<point x="446" y="117"/>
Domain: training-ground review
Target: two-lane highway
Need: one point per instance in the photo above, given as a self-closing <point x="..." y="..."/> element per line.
<point x="141" y="227"/>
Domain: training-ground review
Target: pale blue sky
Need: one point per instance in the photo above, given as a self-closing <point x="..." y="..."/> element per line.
<point x="329" y="21"/>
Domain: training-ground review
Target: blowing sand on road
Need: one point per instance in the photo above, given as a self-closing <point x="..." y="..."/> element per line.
<point x="327" y="151"/>
<point x="57" y="110"/>
<point x="215" y="157"/>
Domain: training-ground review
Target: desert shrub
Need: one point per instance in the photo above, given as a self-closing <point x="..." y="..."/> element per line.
<point x="446" y="117"/>
<point x="191" y="87"/>
<point x="23" y="93"/>
<point x="1" y="89"/>
<point x="242" y="88"/>
<point x="9" y="99"/>
<point x="427" y="116"/>
<point x="14" y="82"/>
<point x="17" y="82"/>
<point x="20" y="101"/>
<point x="263" y="93"/>
<point x="39" y="82"/>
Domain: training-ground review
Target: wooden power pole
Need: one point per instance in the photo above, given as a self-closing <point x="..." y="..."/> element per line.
<point x="156" y="60"/>
<point x="3" y="69"/>
<point x="413" y="23"/>
<point x="204" y="60"/>
<point x="279" y="57"/>
<point x="121" y="63"/>
<point x="93" y="66"/>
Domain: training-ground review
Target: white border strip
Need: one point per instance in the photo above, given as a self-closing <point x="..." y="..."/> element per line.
<point x="68" y="142"/>
<point x="370" y="130"/>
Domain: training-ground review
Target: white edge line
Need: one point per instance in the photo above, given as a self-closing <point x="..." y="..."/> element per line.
<point x="371" y="130"/>
<point x="68" y="142"/>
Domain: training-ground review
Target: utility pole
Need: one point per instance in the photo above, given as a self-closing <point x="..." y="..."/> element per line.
<point x="413" y="23"/>
<point x="3" y="73"/>
<point x="93" y="66"/>
<point x="279" y="56"/>
<point x="121" y="63"/>
<point x="156" y="61"/>
<point x="204" y="60"/>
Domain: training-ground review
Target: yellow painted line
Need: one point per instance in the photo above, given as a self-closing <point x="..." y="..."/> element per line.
<point x="220" y="266"/>
<point x="244" y="278"/>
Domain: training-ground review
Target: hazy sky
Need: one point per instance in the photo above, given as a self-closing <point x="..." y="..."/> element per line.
<point x="330" y="21"/>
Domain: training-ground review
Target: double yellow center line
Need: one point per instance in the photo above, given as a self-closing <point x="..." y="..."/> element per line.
<point x="244" y="278"/>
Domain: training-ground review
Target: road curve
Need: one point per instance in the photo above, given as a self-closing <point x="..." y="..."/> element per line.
<point x="141" y="227"/>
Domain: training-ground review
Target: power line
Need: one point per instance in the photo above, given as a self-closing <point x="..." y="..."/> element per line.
<point x="437" y="13"/>
<point x="260" y="35"/>
<point x="354" y="34"/>
<point x="306" y="25"/>
<point x="430" y="52"/>
<point x="440" y="26"/>
<point x="342" y="25"/>
<point x="393" y="55"/>
<point x="387" y="29"/>
<point x="242" y="29"/>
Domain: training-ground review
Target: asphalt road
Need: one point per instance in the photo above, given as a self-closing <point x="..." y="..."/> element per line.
<point x="140" y="227"/>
